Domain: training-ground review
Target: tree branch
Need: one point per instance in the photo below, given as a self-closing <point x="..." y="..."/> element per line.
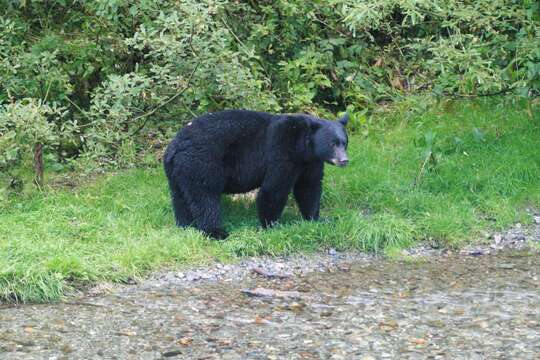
<point x="456" y="96"/>
<point x="165" y="102"/>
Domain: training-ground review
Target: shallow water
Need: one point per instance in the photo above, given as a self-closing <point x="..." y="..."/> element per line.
<point x="441" y="308"/>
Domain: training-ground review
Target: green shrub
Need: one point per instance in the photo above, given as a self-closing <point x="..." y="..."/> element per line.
<point x="128" y="74"/>
<point x="26" y="125"/>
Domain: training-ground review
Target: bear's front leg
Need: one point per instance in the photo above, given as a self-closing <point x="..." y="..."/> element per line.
<point x="274" y="191"/>
<point x="308" y="190"/>
<point x="270" y="204"/>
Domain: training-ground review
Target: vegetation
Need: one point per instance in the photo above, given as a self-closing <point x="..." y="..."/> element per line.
<point x="442" y="176"/>
<point x="108" y="80"/>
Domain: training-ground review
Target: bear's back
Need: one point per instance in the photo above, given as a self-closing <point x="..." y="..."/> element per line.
<point x="232" y="141"/>
<point x="228" y="127"/>
<point x="220" y="132"/>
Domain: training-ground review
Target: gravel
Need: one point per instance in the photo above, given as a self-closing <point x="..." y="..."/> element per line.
<point x="289" y="266"/>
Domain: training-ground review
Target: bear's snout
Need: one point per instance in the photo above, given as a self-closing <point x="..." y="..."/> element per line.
<point x="340" y="162"/>
<point x="340" y="157"/>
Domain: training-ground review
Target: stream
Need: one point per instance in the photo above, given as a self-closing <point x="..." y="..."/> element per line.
<point x="456" y="307"/>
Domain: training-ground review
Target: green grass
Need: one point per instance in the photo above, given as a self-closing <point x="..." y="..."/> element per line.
<point x="120" y="226"/>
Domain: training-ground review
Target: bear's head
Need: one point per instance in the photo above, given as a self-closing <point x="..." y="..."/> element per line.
<point x="328" y="141"/>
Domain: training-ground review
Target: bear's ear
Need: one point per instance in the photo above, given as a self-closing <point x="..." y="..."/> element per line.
<point x="344" y="119"/>
<point x="298" y="125"/>
<point x="305" y="124"/>
<point x="313" y="125"/>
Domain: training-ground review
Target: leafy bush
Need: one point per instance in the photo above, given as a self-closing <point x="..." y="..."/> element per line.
<point x="124" y="71"/>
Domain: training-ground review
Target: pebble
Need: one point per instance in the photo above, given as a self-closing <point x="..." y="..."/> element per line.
<point x="294" y="265"/>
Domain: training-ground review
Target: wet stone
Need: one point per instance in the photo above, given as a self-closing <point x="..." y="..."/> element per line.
<point x="172" y="353"/>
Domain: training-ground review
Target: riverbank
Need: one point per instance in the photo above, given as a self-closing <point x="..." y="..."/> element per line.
<point x="518" y="239"/>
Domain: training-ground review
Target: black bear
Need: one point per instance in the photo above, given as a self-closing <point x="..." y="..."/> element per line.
<point x="236" y="151"/>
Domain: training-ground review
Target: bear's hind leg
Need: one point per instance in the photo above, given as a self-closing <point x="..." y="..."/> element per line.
<point x="207" y="214"/>
<point x="182" y="214"/>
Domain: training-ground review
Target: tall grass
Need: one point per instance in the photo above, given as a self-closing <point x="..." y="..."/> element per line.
<point x="442" y="176"/>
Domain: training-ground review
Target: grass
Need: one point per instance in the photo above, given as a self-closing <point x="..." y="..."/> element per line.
<point x="443" y="176"/>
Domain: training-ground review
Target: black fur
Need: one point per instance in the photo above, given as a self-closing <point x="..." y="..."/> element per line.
<point x="237" y="151"/>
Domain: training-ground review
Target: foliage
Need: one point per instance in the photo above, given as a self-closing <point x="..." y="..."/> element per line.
<point x="113" y="110"/>
<point x="125" y="71"/>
